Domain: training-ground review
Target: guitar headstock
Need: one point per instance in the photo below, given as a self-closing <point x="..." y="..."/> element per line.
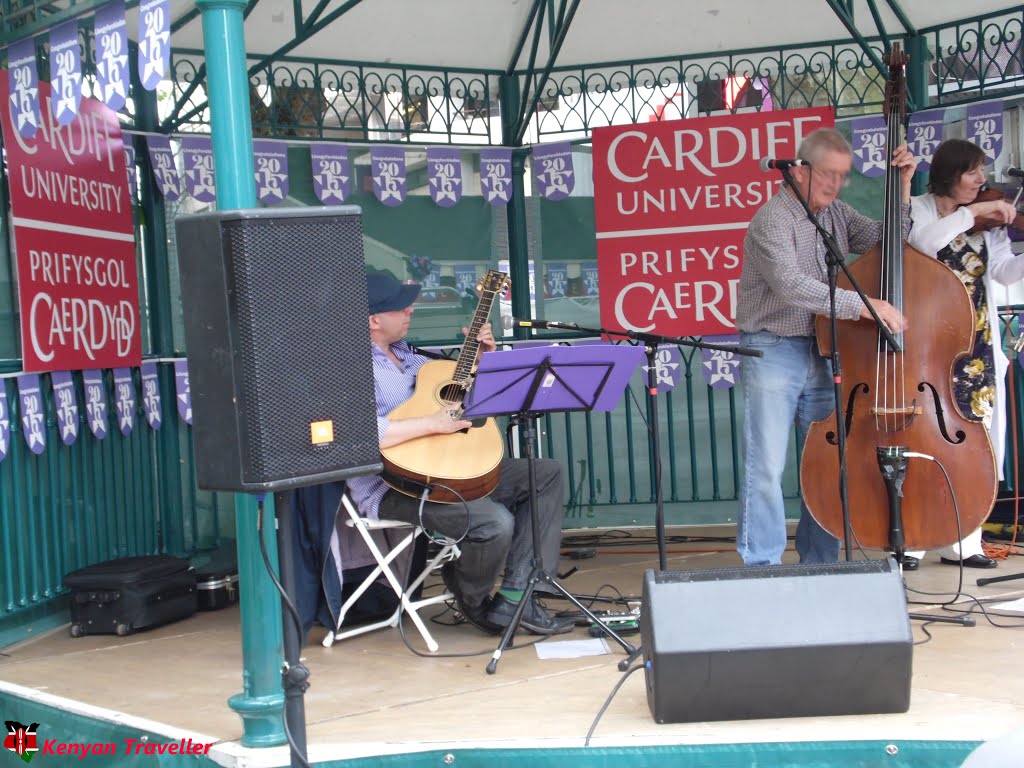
<point x="493" y="282"/>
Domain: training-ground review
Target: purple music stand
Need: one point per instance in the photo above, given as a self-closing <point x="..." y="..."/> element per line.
<point x="591" y="377"/>
<point x="525" y="383"/>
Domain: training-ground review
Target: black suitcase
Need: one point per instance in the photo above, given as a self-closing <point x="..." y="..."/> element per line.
<point x="123" y="596"/>
<point x="217" y="579"/>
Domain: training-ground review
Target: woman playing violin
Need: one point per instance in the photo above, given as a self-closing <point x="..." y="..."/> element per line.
<point x="941" y="223"/>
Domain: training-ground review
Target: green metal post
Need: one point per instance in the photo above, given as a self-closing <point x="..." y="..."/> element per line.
<point x="515" y="211"/>
<point x="917" y="89"/>
<point x="261" y="703"/>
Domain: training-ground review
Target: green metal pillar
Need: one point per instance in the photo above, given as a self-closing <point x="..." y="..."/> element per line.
<point x="515" y="211"/>
<point x="917" y="89"/>
<point x="261" y="703"/>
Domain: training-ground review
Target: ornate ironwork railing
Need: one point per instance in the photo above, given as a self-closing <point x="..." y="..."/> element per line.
<point x="977" y="58"/>
<point x="364" y="102"/>
<point x="838" y="73"/>
<point x="349" y="100"/>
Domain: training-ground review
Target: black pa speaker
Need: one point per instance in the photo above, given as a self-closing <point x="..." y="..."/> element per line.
<point x="278" y="344"/>
<point x="776" y="641"/>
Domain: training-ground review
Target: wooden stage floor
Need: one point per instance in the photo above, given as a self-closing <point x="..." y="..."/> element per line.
<point x="371" y="695"/>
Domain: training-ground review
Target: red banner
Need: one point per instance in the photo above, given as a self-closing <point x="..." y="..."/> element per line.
<point x="74" y="240"/>
<point x="672" y="203"/>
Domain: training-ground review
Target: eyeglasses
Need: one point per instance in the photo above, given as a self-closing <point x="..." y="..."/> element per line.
<point x="833" y="177"/>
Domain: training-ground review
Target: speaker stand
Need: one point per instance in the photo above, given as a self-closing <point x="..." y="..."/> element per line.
<point x="294" y="674"/>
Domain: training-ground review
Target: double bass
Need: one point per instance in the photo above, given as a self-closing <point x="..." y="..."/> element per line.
<point x="900" y="401"/>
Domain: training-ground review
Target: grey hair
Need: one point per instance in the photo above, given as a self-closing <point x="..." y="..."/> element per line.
<point x="823" y="140"/>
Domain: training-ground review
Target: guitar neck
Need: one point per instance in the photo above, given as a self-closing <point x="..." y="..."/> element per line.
<point x="471" y="347"/>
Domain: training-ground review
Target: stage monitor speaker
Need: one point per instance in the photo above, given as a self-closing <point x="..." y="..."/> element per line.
<point x="278" y="347"/>
<point x="776" y="641"/>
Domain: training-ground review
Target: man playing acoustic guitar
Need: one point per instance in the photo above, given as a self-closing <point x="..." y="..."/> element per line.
<point x="494" y="530"/>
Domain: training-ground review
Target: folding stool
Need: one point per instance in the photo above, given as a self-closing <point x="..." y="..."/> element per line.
<point x="364" y="526"/>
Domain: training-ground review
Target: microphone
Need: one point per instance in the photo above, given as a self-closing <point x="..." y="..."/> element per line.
<point x="771" y="164"/>
<point x="1016" y="173"/>
<point x="516" y="322"/>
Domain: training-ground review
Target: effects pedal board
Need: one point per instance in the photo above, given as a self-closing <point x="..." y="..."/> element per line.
<point x="622" y="624"/>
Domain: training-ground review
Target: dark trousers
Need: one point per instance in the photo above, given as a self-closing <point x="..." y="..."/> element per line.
<point x="498" y="531"/>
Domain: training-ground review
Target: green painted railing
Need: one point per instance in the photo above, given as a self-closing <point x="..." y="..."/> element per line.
<point x="977" y="58"/>
<point x="94" y="500"/>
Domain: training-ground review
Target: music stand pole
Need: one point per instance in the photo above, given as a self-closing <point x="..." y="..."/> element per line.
<point x="546" y="390"/>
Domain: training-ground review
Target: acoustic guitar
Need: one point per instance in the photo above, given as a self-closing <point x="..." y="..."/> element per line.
<point x="466" y="462"/>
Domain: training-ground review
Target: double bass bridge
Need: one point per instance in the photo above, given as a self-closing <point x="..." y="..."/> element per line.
<point x="895" y="419"/>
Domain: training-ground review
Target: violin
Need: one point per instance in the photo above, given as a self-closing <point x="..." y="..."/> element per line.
<point x="988" y="194"/>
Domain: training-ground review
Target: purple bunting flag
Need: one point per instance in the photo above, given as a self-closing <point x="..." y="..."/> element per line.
<point x="868" y="139"/>
<point x="23" y="83"/>
<point x="270" y="160"/>
<point x="66" y="404"/>
<point x="129" y="165"/>
<point x="387" y="167"/>
<point x="161" y="157"/>
<point x="589" y="270"/>
<point x="65" y="72"/>
<point x="154" y="41"/>
<point x="444" y="169"/>
<point x="721" y="369"/>
<point x="111" y="31"/>
<point x="552" y="167"/>
<point x="985" y="128"/>
<point x="5" y="422"/>
<point x="31" y="399"/>
<point x="95" y="402"/>
<point x="183" y="392"/>
<point x="667" y="366"/>
<point x="556" y="280"/>
<point x="330" y="172"/>
<point x="124" y="396"/>
<point x="496" y="175"/>
<point x="465" y="279"/>
<point x="199" y="172"/>
<point x="924" y="134"/>
<point x="151" y="394"/>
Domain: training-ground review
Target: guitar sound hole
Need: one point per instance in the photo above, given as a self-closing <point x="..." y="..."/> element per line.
<point x="453" y="393"/>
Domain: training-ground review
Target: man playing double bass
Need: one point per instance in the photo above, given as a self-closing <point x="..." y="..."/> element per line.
<point x="782" y="287"/>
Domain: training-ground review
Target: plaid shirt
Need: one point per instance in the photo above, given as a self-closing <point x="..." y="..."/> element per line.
<point x="785" y="282"/>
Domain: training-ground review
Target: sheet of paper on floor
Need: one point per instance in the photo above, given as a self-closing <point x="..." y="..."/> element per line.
<point x="571" y="649"/>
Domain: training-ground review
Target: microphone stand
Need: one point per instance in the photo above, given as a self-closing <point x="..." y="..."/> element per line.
<point x="651" y="342"/>
<point x="836" y="260"/>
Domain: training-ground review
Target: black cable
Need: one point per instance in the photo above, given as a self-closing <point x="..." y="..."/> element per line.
<point x="959" y="538"/>
<point x="608" y="701"/>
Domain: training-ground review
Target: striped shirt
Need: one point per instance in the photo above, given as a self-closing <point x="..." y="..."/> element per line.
<point x="392" y="386"/>
<point x="784" y="283"/>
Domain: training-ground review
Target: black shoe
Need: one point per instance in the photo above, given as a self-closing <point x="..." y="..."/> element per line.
<point x="474" y="614"/>
<point x="534" y="619"/>
<point x="974" y="561"/>
<point x="910" y="563"/>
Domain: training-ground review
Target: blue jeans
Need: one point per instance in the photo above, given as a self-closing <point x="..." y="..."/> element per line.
<point x="790" y="382"/>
